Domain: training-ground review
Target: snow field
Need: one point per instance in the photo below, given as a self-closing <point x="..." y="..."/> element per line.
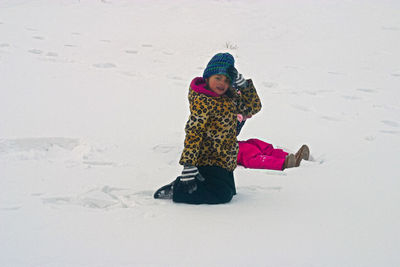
<point x="92" y="111"/>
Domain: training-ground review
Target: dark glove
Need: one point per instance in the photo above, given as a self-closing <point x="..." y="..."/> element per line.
<point x="189" y="178"/>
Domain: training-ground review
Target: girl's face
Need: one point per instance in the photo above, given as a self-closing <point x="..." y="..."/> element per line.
<point x="218" y="83"/>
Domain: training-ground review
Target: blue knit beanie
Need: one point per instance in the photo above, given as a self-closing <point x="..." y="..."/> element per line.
<point x="221" y="63"/>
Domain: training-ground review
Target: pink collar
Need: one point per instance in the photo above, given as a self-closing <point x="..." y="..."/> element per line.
<point x="199" y="86"/>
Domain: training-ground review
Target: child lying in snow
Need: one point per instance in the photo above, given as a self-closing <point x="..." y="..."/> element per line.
<point x="257" y="154"/>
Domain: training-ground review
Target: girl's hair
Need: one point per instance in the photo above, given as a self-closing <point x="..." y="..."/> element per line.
<point x="231" y="92"/>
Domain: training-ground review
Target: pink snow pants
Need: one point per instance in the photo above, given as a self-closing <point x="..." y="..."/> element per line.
<point x="256" y="154"/>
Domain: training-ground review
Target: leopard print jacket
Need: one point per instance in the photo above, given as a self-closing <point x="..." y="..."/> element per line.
<point x="211" y="128"/>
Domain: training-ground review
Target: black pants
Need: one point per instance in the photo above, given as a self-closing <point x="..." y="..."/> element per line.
<point x="217" y="188"/>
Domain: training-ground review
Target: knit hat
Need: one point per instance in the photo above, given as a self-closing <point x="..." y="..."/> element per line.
<point x="221" y="63"/>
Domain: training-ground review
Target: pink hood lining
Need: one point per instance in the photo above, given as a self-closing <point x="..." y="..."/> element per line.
<point x="199" y="86"/>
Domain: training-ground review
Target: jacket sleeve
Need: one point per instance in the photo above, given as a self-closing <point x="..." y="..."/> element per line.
<point x="195" y="129"/>
<point x="248" y="102"/>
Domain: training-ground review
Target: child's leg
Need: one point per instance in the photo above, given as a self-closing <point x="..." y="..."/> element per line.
<point x="216" y="189"/>
<point x="268" y="149"/>
<point x="279" y="153"/>
<point x="215" y="173"/>
<point x="265" y="162"/>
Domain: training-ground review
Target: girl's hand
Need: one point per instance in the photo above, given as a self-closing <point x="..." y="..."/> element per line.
<point x="189" y="178"/>
<point x="240" y="82"/>
<point x="241" y="117"/>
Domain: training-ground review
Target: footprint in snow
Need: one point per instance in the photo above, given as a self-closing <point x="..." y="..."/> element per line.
<point x="176" y="78"/>
<point x="325" y="91"/>
<point x="4" y="45"/>
<point x="57" y="200"/>
<point x="329" y="118"/>
<point x="70" y="45"/>
<point x="105" y="198"/>
<point x="51" y="54"/>
<point x="35" y="51"/>
<point x="76" y="33"/>
<point x="90" y="164"/>
<point x="141" y="198"/>
<point x="164" y="148"/>
<point x="104" y="65"/>
<point x="292" y="67"/>
<point x="313" y="93"/>
<point x="396" y="74"/>
<point x="366" y="90"/>
<point x="13" y="208"/>
<point x="38" y="37"/>
<point x="147" y="45"/>
<point x="370" y="138"/>
<point x="336" y="73"/>
<point x="95" y="199"/>
<point x="268" y="84"/>
<point x="391" y="123"/>
<point x="390" y="28"/>
<point x="351" y="97"/>
<point x="131" y="51"/>
<point x="127" y="73"/>
<point x="394" y="108"/>
<point x="302" y="108"/>
<point x="37" y="144"/>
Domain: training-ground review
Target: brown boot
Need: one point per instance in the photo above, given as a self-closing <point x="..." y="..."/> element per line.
<point x="303" y="153"/>
<point x="290" y="162"/>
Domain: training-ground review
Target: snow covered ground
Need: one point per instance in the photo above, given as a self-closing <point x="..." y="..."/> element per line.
<point x="92" y="111"/>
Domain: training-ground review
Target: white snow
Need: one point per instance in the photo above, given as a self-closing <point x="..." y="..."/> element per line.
<point x="93" y="103"/>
